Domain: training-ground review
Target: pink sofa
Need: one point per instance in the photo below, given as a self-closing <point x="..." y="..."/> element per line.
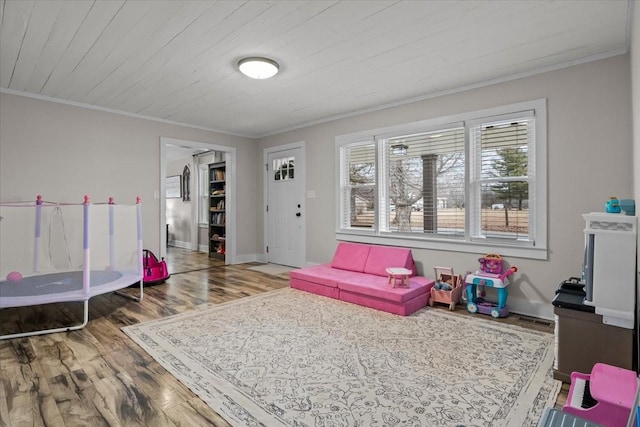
<point x="357" y="274"/>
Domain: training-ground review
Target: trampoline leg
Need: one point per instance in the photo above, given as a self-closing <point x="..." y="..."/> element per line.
<point x="54" y="330"/>
<point x="139" y="298"/>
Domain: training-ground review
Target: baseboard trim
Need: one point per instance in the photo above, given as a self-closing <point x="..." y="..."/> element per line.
<point x="530" y="308"/>
<point x="243" y="259"/>
<point x="179" y="244"/>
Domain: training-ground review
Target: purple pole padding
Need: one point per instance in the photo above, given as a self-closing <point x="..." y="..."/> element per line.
<point x="139" y="224"/>
<point x="36" y="246"/>
<point x="85" y="242"/>
<point x="112" y="254"/>
<point x="86" y="268"/>
<point x="139" y="209"/>
<point x="111" y="228"/>
<point x="38" y="215"/>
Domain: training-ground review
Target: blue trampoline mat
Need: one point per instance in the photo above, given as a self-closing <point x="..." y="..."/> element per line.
<point x="54" y="283"/>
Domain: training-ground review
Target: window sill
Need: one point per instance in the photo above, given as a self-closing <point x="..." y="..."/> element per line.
<point x="517" y="251"/>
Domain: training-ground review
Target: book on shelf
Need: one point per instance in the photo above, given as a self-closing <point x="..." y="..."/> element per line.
<point x="218" y="207"/>
<point x="218" y="218"/>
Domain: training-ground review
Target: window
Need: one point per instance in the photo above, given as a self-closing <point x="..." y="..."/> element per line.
<point x="424" y="174"/>
<point x="358" y="188"/>
<point x="473" y="182"/>
<point x="501" y="177"/>
<point x="283" y="168"/>
<point x="203" y="193"/>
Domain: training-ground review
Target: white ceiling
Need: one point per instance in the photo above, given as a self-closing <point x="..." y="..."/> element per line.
<point x="176" y="60"/>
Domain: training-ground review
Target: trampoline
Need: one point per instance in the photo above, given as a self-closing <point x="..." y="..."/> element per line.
<point x="65" y="252"/>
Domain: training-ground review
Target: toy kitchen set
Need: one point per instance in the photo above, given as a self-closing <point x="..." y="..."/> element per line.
<point x="597" y="314"/>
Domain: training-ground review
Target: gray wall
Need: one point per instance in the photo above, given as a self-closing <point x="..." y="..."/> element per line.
<point x="589" y="160"/>
<point x="62" y="152"/>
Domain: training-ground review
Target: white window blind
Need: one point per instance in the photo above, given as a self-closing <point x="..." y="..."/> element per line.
<point x="358" y="182"/>
<point x="425" y="177"/>
<point x="502" y="178"/>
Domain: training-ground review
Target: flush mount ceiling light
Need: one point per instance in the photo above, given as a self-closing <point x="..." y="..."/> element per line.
<point x="399" y="149"/>
<point x="258" y="68"/>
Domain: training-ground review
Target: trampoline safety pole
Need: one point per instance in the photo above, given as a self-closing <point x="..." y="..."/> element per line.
<point x="139" y="224"/>
<point x="86" y="268"/>
<point x="36" y="246"/>
<point x="112" y="255"/>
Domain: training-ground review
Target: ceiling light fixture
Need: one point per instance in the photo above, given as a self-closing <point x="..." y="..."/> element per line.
<point x="258" y="68"/>
<point x="399" y="149"/>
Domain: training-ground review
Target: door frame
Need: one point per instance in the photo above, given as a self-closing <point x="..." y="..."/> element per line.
<point x="230" y="158"/>
<point x="265" y="191"/>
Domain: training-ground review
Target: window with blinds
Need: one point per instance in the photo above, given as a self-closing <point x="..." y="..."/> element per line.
<point x="470" y="182"/>
<point x="358" y="192"/>
<point x="425" y="180"/>
<point x="502" y="178"/>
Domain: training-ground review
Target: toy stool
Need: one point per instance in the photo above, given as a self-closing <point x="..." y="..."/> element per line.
<point x="398" y="273"/>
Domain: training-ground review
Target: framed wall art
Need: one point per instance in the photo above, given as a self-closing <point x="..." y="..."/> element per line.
<point x="174" y="187"/>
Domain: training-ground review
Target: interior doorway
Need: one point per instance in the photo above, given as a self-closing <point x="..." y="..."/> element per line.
<point x="170" y="148"/>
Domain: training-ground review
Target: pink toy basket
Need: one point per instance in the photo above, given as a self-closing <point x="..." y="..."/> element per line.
<point x="445" y="275"/>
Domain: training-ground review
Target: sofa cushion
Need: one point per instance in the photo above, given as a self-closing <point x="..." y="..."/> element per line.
<point x="321" y="274"/>
<point x="382" y="257"/>
<point x="379" y="287"/>
<point x="314" y="288"/>
<point x="350" y="256"/>
<point x="325" y="275"/>
<point x="401" y="308"/>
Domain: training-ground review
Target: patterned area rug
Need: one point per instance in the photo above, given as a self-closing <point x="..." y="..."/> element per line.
<point x="290" y="358"/>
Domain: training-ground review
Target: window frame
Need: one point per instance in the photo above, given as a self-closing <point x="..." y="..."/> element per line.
<point x="203" y="194"/>
<point x="383" y="141"/>
<point x="344" y="183"/>
<point x="534" y="248"/>
<point x="476" y="181"/>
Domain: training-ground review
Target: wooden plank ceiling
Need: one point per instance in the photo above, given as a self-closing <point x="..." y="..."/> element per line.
<point x="176" y="60"/>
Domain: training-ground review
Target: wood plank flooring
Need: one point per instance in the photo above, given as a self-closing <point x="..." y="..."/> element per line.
<point x="97" y="376"/>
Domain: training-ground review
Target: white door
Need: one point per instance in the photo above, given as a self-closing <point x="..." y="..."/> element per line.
<point x="285" y="207"/>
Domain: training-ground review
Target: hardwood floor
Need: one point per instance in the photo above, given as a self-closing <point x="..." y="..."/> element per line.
<point x="97" y="376"/>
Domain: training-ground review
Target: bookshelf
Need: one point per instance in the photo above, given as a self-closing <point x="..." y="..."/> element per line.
<point x="217" y="210"/>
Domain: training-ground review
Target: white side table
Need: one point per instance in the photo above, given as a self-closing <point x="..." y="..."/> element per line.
<point x="398" y="273"/>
